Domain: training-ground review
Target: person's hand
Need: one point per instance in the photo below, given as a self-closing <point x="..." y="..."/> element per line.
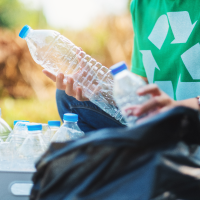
<point x="67" y="86"/>
<point x="159" y="102"/>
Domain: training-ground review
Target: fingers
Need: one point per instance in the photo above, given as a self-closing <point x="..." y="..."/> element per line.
<point x="150" y="105"/>
<point x="149" y="89"/>
<point x="59" y="81"/>
<point x="140" y="120"/>
<point x="49" y="74"/>
<point x="69" y="87"/>
<point x="79" y="95"/>
<point x="153" y="104"/>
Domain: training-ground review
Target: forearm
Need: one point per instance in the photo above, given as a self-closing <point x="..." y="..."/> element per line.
<point x="191" y="103"/>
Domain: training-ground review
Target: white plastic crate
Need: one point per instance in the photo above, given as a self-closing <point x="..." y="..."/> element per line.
<point x="15" y="185"/>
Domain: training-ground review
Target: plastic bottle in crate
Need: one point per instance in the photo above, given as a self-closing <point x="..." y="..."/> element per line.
<point x="54" y="126"/>
<point x="15" y="140"/>
<point x="6" y="156"/>
<point x="69" y="130"/>
<point x="46" y="130"/>
<point x="18" y="129"/>
<point x="5" y="129"/>
<point x="57" y="54"/>
<point x="32" y="147"/>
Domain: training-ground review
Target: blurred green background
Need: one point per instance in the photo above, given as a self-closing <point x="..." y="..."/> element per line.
<point x="105" y="33"/>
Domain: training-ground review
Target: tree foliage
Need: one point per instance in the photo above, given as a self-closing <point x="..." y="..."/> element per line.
<point x="13" y="14"/>
<point x="8" y="11"/>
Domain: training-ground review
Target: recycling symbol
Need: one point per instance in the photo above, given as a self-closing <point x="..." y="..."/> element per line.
<point x="182" y="27"/>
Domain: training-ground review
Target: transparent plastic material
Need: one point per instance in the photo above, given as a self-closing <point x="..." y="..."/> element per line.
<point x="57" y="54"/>
<point x="19" y="130"/>
<point x="5" y="129"/>
<point x="46" y="130"/>
<point x="6" y="156"/>
<point x="15" y="140"/>
<point x="54" y="127"/>
<point x="32" y="148"/>
<point x="69" y="130"/>
<point x="125" y="89"/>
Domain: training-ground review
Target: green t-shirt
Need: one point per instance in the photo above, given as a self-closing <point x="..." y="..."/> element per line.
<point x="166" y="45"/>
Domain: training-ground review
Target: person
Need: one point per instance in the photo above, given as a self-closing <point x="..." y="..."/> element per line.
<point x="166" y="55"/>
<point x="166" y="51"/>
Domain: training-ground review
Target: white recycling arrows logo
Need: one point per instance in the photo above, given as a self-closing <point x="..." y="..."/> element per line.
<point x="182" y="28"/>
<point x="159" y="32"/>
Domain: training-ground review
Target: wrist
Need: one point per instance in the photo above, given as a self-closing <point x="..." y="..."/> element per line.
<point x="198" y="101"/>
<point x="191" y="103"/>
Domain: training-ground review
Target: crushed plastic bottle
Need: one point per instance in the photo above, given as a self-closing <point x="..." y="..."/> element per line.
<point x="5" y="129"/>
<point x="125" y="89"/>
<point x="69" y="130"/>
<point x="33" y="147"/>
<point x="54" y="126"/>
<point x="57" y="54"/>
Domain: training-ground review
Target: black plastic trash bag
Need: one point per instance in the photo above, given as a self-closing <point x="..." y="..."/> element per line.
<point x="159" y="159"/>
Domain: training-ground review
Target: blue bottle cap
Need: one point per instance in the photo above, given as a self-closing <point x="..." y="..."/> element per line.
<point x="19" y="121"/>
<point x="34" y="127"/>
<point x="70" y="117"/>
<point x="115" y="69"/>
<point x="54" y="123"/>
<point x="24" y="32"/>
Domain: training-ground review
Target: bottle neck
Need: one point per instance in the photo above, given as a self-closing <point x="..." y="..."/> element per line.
<point x="70" y="123"/>
<point x="34" y="132"/>
<point x="121" y="74"/>
<point x="54" y="126"/>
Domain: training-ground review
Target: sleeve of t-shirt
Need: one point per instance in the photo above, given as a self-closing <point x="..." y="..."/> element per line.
<point x="137" y="66"/>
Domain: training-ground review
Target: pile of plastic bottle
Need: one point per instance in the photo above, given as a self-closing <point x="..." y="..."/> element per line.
<point x="21" y="147"/>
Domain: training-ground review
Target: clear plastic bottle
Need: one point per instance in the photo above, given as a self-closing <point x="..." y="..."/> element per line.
<point x="16" y="121"/>
<point x="18" y="135"/>
<point x="125" y="89"/>
<point x="15" y="140"/>
<point x="69" y="130"/>
<point x="57" y="54"/>
<point x="54" y="126"/>
<point x="33" y="147"/>
<point x="46" y="130"/>
<point x="6" y="156"/>
<point x="19" y="128"/>
<point x="5" y="129"/>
